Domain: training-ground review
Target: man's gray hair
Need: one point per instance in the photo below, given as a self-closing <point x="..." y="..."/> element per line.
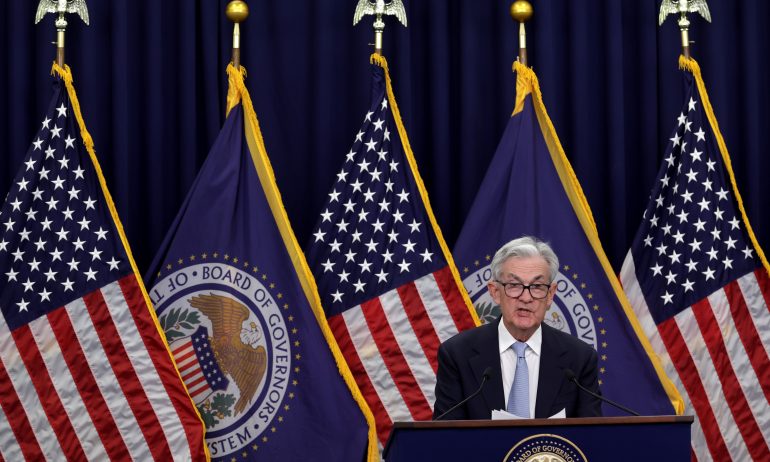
<point x="525" y="246"/>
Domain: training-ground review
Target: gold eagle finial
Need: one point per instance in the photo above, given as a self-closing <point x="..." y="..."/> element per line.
<point x="683" y="6"/>
<point x="378" y="8"/>
<point x="62" y="6"/>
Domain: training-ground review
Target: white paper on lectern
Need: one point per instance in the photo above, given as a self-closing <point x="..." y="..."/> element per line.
<point x="502" y="415"/>
<point x="560" y="415"/>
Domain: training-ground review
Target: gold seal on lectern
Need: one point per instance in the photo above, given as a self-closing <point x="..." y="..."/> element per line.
<point x="545" y="448"/>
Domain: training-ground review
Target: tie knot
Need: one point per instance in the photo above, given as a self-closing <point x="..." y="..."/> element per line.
<point x="519" y="348"/>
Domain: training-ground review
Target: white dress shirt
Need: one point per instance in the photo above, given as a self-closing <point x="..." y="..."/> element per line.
<point x="508" y="362"/>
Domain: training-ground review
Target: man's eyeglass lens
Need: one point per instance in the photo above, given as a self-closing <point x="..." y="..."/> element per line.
<point x="515" y="289"/>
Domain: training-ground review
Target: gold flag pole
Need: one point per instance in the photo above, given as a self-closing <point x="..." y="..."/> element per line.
<point x="521" y="11"/>
<point x="237" y="11"/>
<point x="379" y="8"/>
<point x="61" y="7"/>
<point x="683" y="7"/>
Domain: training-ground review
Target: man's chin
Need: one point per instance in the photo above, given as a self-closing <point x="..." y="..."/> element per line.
<point x="525" y="326"/>
<point x="522" y="327"/>
<point x="524" y="319"/>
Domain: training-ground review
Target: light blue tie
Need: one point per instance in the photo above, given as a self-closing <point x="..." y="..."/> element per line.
<point x="518" y="399"/>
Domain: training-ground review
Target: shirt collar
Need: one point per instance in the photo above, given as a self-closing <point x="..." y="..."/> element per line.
<point x="505" y="339"/>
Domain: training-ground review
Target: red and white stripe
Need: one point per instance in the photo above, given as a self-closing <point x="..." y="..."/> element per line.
<point x="189" y="367"/>
<point x="716" y="352"/>
<point x="9" y="446"/>
<point x="391" y="343"/>
<point x="93" y="381"/>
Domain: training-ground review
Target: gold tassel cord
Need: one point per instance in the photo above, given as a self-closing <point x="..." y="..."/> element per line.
<point x="691" y="66"/>
<point x="237" y="93"/>
<point x="66" y="75"/>
<point x="527" y="83"/>
<point x="380" y="61"/>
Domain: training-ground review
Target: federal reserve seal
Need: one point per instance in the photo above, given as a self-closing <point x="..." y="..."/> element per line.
<point x="231" y="344"/>
<point x="545" y="448"/>
<point x="569" y="311"/>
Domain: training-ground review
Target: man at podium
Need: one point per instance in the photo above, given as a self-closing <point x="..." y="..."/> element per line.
<point x="519" y="364"/>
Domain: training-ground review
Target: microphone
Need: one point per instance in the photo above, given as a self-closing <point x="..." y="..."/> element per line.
<point x="571" y="377"/>
<point x="484" y="377"/>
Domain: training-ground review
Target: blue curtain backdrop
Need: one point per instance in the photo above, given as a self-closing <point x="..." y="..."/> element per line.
<point x="151" y="81"/>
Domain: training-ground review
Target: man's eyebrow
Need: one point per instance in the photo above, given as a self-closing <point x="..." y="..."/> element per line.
<point x="516" y="278"/>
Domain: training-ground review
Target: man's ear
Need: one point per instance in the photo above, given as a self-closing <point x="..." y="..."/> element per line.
<point x="551" y="293"/>
<point x="495" y="291"/>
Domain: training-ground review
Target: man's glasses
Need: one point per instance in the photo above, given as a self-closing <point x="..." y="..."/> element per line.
<point x="515" y="289"/>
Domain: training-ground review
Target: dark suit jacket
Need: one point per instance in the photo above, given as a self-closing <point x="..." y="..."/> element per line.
<point x="463" y="358"/>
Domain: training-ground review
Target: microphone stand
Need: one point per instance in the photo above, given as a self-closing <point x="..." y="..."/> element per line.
<point x="484" y="378"/>
<point x="571" y="377"/>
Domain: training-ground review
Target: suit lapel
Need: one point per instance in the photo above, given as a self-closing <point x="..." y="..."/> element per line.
<point x="551" y="373"/>
<point x="488" y="355"/>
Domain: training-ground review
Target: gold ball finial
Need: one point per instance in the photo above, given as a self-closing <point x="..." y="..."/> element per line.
<point x="237" y="11"/>
<point x="521" y="10"/>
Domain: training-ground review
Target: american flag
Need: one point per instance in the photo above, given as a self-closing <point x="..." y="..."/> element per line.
<point x="84" y="373"/>
<point x="698" y="285"/>
<point x="385" y="281"/>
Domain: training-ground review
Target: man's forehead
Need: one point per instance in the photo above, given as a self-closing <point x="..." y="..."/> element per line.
<point x="531" y="267"/>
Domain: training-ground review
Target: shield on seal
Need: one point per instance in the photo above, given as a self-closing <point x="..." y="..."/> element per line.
<point x="197" y="365"/>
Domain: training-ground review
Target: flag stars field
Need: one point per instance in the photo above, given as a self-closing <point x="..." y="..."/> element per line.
<point x="383" y="279"/>
<point x="46" y="198"/>
<point x="698" y="222"/>
<point x="372" y="208"/>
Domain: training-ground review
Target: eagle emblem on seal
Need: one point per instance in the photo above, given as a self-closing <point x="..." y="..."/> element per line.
<point x="235" y="347"/>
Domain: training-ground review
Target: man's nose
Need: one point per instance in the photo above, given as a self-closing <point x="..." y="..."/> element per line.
<point x="526" y="295"/>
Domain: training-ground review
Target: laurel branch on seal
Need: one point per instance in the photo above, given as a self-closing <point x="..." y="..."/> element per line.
<point x="487" y="312"/>
<point x="177" y="321"/>
<point x="216" y="408"/>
